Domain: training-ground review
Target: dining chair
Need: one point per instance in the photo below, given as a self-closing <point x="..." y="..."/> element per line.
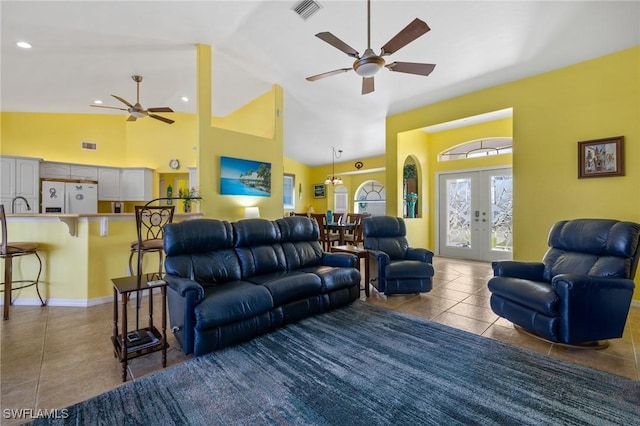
<point x="150" y="221"/>
<point x="9" y="250"/>
<point x="326" y="238"/>
<point x="355" y="236"/>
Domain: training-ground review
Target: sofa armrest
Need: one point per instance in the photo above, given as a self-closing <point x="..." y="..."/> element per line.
<point x="592" y="308"/>
<point x="345" y="260"/>
<point x="184" y="285"/>
<point x="532" y="271"/>
<point x="421" y="254"/>
<point x="570" y="283"/>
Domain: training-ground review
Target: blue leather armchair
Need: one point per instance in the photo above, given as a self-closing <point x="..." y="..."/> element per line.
<point x="394" y="267"/>
<point x="581" y="291"/>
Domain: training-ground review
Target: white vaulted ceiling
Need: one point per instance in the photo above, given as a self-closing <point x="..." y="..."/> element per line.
<point x="87" y="50"/>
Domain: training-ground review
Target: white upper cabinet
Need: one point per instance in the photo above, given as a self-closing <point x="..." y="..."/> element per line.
<point x="108" y="184"/>
<point x="136" y="184"/>
<point x="27" y="177"/>
<point x="81" y="172"/>
<point x="19" y="177"/>
<point x="54" y="170"/>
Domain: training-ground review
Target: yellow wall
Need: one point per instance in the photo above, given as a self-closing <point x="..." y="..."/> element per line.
<point x="551" y="113"/>
<point x="303" y="184"/>
<point x="58" y="137"/>
<point x="216" y="142"/>
<point x="257" y="118"/>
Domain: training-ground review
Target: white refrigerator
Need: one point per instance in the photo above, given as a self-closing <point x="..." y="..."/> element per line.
<point x="69" y="196"/>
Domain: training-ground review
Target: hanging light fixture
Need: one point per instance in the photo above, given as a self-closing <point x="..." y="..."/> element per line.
<point x="332" y="179"/>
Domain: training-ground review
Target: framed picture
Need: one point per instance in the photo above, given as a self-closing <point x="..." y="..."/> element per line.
<point x="244" y="177"/>
<point x="318" y="190"/>
<point x="601" y="158"/>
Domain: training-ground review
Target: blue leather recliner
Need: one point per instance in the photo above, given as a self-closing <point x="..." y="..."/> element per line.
<point x="581" y="291"/>
<point x="394" y="267"/>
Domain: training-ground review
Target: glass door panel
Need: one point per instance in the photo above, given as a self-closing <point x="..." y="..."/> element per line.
<point x="475" y="215"/>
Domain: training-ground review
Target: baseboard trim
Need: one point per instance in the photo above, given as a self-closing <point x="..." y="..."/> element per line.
<point x="77" y="303"/>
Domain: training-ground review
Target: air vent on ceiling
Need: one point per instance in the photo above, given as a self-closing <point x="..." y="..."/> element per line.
<point x="306" y="8"/>
<point x="89" y="145"/>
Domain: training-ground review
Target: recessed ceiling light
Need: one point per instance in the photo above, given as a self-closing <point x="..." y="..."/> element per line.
<point x="184" y="99"/>
<point x="97" y="101"/>
<point x="23" y="44"/>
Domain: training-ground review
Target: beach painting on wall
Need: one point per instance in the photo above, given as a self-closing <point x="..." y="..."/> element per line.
<point x="244" y="177"/>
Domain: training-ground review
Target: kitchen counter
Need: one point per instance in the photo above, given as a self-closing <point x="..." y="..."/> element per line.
<point x="80" y="254"/>
<point x="71" y="220"/>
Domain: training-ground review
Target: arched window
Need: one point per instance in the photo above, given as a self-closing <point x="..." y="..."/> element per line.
<point x="478" y="148"/>
<point x="370" y="198"/>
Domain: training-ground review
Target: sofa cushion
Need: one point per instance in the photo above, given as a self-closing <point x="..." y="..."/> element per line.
<point x="534" y="295"/>
<point x="596" y="247"/>
<point x="231" y="302"/>
<point x="334" y="278"/>
<point x="408" y="269"/>
<point x="197" y="236"/>
<point x="257" y="243"/>
<point x="286" y="287"/>
<point x="300" y="241"/>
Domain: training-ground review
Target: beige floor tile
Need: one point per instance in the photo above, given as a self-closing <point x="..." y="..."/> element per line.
<point x="462" y="322"/>
<point x="475" y="312"/>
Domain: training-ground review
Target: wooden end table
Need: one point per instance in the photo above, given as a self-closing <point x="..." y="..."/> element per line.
<point x="362" y="254"/>
<point x="125" y="345"/>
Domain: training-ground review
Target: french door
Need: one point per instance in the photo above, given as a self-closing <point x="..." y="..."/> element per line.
<point x="475" y="214"/>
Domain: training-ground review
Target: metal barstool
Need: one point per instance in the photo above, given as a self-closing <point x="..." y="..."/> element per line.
<point x="149" y="223"/>
<point x="9" y="250"/>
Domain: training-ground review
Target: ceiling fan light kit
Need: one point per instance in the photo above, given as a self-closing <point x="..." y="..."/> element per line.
<point x="369" y="64"/>
<point x="137" y="111"/>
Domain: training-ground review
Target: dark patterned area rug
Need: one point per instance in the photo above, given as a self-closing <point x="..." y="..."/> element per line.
<point x="364" y="365"/>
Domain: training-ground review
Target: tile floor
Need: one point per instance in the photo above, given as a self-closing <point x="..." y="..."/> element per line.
<point x="53" y="357"/>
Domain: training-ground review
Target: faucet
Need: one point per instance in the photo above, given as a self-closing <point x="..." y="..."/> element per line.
<point x="13" y="203"/>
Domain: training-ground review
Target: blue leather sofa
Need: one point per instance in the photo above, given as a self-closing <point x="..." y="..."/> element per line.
<point x="229" y="282"/>
<point x="581" y="291"/>
<point x="394" y="267"/>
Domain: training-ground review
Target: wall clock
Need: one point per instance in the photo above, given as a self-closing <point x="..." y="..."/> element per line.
<point x="174" y="164"/>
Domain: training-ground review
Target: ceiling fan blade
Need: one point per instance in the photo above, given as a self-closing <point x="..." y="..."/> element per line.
<point x="411" y="32"/>
<point x="411" y="68"/>
<point x="157" y="117"/>
<point x="367" y="85"/>
<point x="109" y="107"/>
<point x="131" y="118"/>
<point x="337" y="43"/>
<point x="123" y="101"/>
<point x="328" y="74"/>
<point x="160" y="109"/>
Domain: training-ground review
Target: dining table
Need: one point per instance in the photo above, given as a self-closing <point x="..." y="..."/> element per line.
<point x="341" y="228"/>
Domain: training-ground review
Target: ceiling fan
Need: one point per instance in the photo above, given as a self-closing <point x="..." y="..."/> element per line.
<point x="369" y="63"/>
<point x="136" y="111"/>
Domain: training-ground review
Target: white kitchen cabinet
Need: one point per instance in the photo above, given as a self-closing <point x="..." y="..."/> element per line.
<point x="7" y="178"/>
<point x="19" y="206"/>
<point x="20" y="177"/>
<point x="53" y="170"/>
<point x="82" y="172"/>
<point x="136" y="184"/>
<point x="108" y="184"/>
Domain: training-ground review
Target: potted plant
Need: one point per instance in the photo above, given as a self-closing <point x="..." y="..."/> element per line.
<point x="188" y="196"/>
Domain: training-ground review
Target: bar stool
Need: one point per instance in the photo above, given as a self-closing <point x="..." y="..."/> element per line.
<point x="149" y="223"/>
<point x="8" y="251"/>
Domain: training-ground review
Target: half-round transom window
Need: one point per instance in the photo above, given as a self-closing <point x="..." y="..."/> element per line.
<point x="478" y="148"/>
